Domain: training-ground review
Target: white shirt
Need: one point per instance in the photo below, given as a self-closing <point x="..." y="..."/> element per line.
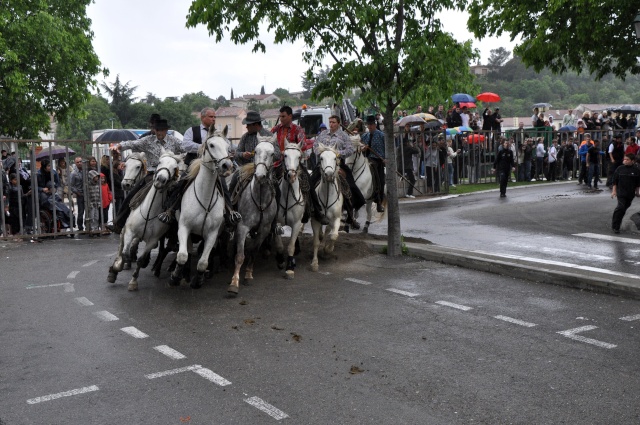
<point x="465" y="119"/>
<point x="552" y="154"/>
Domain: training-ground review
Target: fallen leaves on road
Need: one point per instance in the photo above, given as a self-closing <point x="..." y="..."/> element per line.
<point x="296" y="337"/>
<point x="274" y="327"/>
<point x="355" y="369"/>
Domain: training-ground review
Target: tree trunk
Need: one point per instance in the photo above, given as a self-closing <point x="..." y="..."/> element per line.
<point x="394" y="244"/>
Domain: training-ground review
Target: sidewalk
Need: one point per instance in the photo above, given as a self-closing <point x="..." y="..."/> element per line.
<point x="537" y="270"/>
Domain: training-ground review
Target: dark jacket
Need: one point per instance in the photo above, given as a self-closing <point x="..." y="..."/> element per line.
<point x="406" y="153"/>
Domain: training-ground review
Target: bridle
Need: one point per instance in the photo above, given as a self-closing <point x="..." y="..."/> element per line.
<point x="335" y="184"/>
<point x="299" y="200"/>
<point x="140" y="171"/>
<point x="213" y="160"/>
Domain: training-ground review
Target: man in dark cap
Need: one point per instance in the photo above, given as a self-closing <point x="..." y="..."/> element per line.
<point x="374" y="140"/>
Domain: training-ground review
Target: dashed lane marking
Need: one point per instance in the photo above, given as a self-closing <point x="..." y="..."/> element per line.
<point x="48" y="286"/>
<point x="134" y="332"/>
<point x="106" y="316"/>
<point x="170" y="352"/>
<point x="515" y="321"/>
<point x="267" y="408"/>
<point x="572" y="334"/>
<point x="608" y="238"/>
<point x="111" y="254"/>
<point x="83" y="301"/>
<point x="361" y="282"/>
<point x="325" y="273"/>
<point x="73" y="274"/>
<point x="212" y="376"/>
<point x="401" y="292"/>
<point x="452" y="305"/>
<point x="90" y="263"/>
<point x="69" y="287"/>
<point x="631" y="318"/>
<point x="208" y="374"/>
<point x="63" y="394"/>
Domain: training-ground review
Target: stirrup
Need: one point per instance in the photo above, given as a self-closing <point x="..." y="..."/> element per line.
<point x="166" y="216"/>
<point x="279" y="230"/>
<point x="234" y="217"/>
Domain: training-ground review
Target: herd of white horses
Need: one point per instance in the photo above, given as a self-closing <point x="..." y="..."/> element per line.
<point x="202" y="208"/>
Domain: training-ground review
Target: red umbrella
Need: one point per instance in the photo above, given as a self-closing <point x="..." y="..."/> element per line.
<point x="475" y="138"/>
<point x="488" y="97"/>
<point x="469" y="105"/>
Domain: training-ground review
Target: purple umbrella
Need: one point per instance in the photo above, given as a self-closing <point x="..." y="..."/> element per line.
<point x="57" y="152"/>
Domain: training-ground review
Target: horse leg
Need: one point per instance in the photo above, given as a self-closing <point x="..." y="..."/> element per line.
<point x="116" y="267"/>
<point x="203" y="262"/>
<point x="291" y="250"/>
<point x="331" y="235"/>
<point x="241" y="235"/>
<point x="248" y="273"/>
<point x="279" y="252"/>
<point x="162" y="254"/>
<point x="365" y="229"/>
<point x="317" y="229"/>
<point x="181" y="257"/>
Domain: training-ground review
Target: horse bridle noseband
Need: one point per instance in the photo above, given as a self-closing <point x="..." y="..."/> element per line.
<point x="213" y="159"/>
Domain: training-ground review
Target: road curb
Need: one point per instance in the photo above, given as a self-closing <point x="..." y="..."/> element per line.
<point x="574" y="276"/>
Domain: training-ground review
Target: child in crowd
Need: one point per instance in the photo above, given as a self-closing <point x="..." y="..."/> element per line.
<point x="95" y="206"/>
<point x="107" y="197"/>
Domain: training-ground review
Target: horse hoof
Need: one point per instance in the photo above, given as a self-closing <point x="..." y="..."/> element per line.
<point x="196" y="281"/>
<point x="233" y="290"/>
<point x="365" y="230"/>
<point x="175" y="280"/>
<point x="156" y="272"/>
<point x="111" y="278"/>
<point x="133" y="286"/>
<point x="127" y="266"/>
<point x="281" y="266"/>
<point x="314" y="267"/>
<point x="289" y="274"/>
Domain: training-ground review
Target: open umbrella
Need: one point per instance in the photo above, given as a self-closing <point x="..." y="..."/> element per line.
<point x="568" y="128"/>
<point x="57" y="152"/>
<point x="434" y="124"/>
<point x="469" y="105"/>
<point x="488" y="97"/>
<point x="462" y="97"/>
<point x="410" y="119"/>
<point x="426" y="117"/>
<point x="627" y="109"/>
<point x="452" y="131"/>
<point x="117" y="135"/>
<point x="541" y="106"/>
<point x="464" y="129"/>
<point x="475" y="138"/>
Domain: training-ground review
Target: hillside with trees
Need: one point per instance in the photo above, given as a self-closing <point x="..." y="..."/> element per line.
<point x="520" y="87"/>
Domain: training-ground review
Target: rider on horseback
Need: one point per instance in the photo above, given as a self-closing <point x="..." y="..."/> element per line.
<point x="374" y="140"/>
<point x="339" y="140"/>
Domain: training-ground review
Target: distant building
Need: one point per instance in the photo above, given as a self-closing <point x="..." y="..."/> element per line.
<point x="261" y="99"/>
<point x="232" y="117"/>
<point x="479" y="69"/>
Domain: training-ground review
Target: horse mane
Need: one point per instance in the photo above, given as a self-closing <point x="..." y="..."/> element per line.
<point x="247" y="171"/>
<point x="194" y="169"/>
<point x="322" y="147"/>
<point x="356" y="141"/>
<point x="178" y="158"/>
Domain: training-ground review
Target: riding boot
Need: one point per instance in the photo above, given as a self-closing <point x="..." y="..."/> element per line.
<point x="317" y="209"/>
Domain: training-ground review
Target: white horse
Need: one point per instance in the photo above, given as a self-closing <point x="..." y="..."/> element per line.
<point x="330" y="200"/>
<point x="135" y="170"/>
<point x="258" y="206"/>
<point x="202" y="207"/>
<point x="363" y="177"/>
<point x="291" y="204"/>
<point x="143" y="223"/>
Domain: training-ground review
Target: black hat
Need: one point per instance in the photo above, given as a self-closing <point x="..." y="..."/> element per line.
<point x="618" y="136"/>
<point x="161" y="125"/>
<point x="252" y="118"/>
<point x="371" y="119"/>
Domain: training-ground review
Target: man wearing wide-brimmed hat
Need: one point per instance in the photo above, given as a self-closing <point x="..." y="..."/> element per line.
<point x="249" y="140"/>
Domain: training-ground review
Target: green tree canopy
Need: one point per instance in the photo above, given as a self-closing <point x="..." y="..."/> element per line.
<point x="583" y="36"/>
<point x="387" y="49"/>
<point x="47" y="63"/>
<point x="121" y="99"/>
<point x="94" y="115"/>
<point x="196" y="101"/>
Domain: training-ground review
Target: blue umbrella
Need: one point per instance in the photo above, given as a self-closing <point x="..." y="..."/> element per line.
<point x="567" y="128"/>
<point x="464" y="128"/>
<point x="462" y="97"/>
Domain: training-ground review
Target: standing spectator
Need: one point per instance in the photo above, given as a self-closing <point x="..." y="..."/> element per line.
<point x="632" y="146"/>
<point x="504" y="165"/>
<point x="534" y="117"/>
<point x="593" y="160"/>
<point x="456" y="118"/>
<point x="540" y="152"/>
<point x="626" y="185"/>
<point x="107" y="197"/>
<point x="616" y="157"/>
<point x="17" y="201"/>
<point x="76" y="185"/>
<point x="568" y="159"/>
<point x="106" y="169"/>
<point x="487" y="121"/>
<point x="95" y="206"/>
<point x="553" y="159"/>
<point x="63" y="175"/>
<point x="93" y="163"/>
<point x="569" y="119"/>
<point x="432" y="163"/>
<point x="464" y="116"/>
<point x="440" y="113"/>
<point x="451" y="154"/>
<point x="118" y="192"/>
<point x="44" y="175"/>
<point x="405" y="161"/>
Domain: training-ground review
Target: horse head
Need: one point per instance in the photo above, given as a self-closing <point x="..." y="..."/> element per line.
<point x="168" y="169"/>
<point x="328" y="162"/>
<point x="135" y="170"/>
<point x="263" y="156"/>
<point x="216" y="151"/>
<point x="291" y="159"/>
<point x="358" y="146"/>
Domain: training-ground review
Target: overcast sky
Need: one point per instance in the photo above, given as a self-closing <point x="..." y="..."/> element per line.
<point x="147" y="43"/>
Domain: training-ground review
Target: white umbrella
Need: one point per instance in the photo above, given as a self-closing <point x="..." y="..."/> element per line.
<point x="410" y="119"/>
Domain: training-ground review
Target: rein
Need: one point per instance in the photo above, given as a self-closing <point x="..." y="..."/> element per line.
<point x="326" y="204"/>
<point x="359" y="171"/>
<point x="147" y="219"/>
<point x="259" y="205"/>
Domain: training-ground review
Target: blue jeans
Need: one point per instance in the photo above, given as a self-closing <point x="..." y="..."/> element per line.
<point x="450" y="171"/>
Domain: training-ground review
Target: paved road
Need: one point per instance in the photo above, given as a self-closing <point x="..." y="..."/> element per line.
<point x="371" y="340"/>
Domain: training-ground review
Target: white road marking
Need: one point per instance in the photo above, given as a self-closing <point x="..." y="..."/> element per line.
<point x="111" y="254"/>
<point x="90" y="263"/>
<point x="83" y="301"/>
<point x="47" y="286"/>
<point x="557" y="251"/>
<point x="69" y="288"/>
<point x="572" y="334"/>
<point x="134" y="332"/>
<point x="608" y="238"/>
<point x="211" y="376"/>
<point x="270" y="410"/>
<point x="63" y="394"/>
<point x="458" y="306"/>
<point x="631" y="318"/>
<point x="515" y="321"/>
<point x="170" y="352"/>
<point x="172" y="371"/>
<point x="106" y="316"/>
<point x="362" y="282"/>
<point x="401" y="292"/>
<point x="325" y="273"/>
<point x="73" y="274"/>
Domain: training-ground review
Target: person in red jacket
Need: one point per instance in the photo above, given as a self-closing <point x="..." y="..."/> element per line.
<point x="107" y="197"/>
